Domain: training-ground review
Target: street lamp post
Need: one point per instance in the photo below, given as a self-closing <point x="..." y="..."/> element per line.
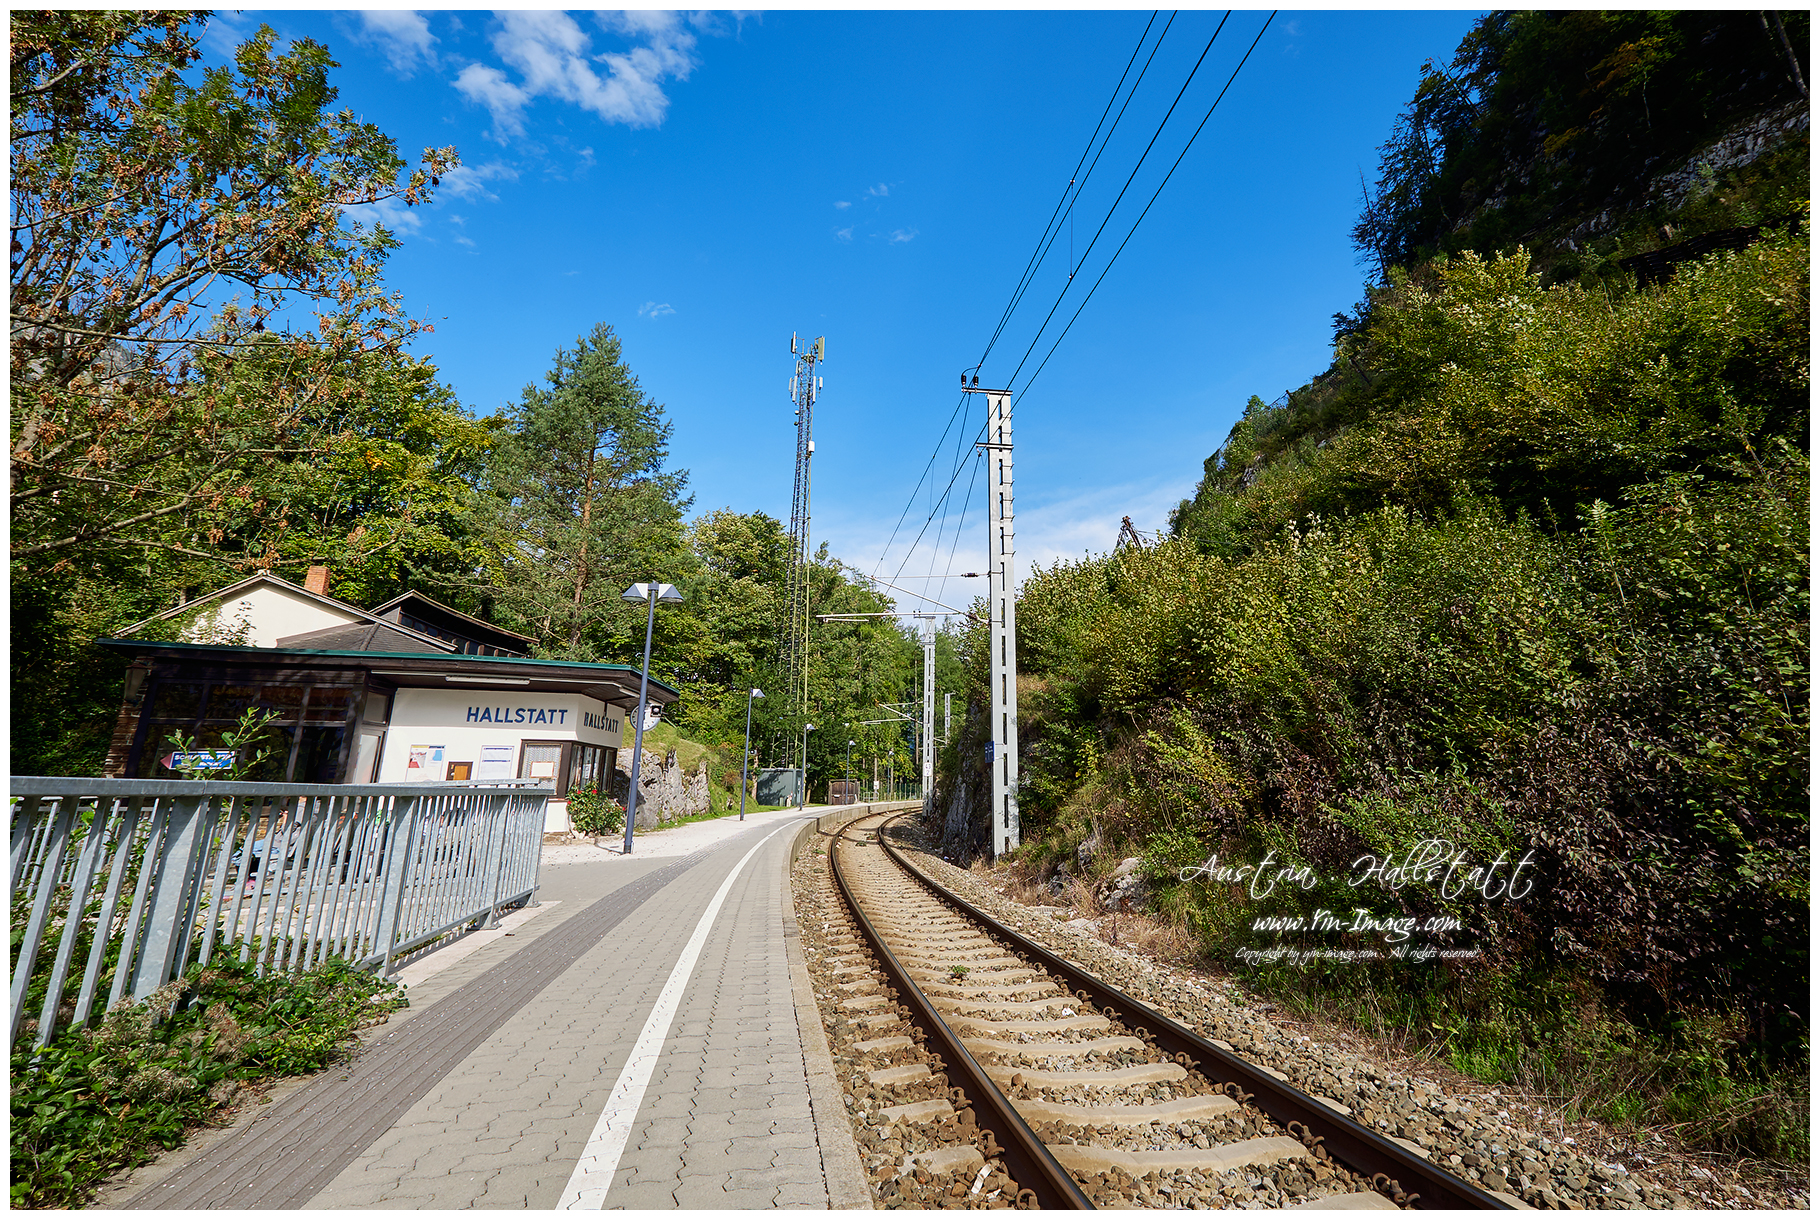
<point x="747" y="756"/>
<point x="803" y="791"/>
<point x="650" y="594"/>
<point x="850" y="744"/>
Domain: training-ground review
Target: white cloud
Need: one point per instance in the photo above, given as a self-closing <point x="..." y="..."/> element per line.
<point x="842" y="203"/>
<point x="224" y="33"/>
<point x="503" y="100"/>
<point x="402" y="36"/>
<point x="845" y="234"/>
<point x="554" y="58"/>
<point x="900" y="236"/>
<point x="879" y="191"/>
<point x="464" y="241"/>
<point x="651" y="309"/>
<point x="469" y="181"/>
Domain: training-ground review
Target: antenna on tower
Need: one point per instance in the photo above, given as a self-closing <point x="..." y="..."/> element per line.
<point x="793" y="631"/>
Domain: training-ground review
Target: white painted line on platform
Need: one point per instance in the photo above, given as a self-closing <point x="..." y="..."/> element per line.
<point x="588" y="1185"/>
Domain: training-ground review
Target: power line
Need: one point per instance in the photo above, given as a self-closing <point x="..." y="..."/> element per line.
<point x="1147" y="207"/>
<point x="961" y="524"/>
<point x="1053" y="229"/>
<point x="911" y="503"/>
<point x="1037" y="338"/>
<point x="1017" y="296"/>
<point x="1102" y="276"/>
<point x="1036" y="258"/>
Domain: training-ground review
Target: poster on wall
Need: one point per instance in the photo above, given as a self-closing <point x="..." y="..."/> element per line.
<point x="425" y="762"/>
<point x="495" y="763"/>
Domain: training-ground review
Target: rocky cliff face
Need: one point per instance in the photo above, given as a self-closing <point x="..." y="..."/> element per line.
<point x="665" y="791"/>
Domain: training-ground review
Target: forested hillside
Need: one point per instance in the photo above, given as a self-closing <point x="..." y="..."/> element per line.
<point x="169" y="438"/>
<point x="1525" y="571"/>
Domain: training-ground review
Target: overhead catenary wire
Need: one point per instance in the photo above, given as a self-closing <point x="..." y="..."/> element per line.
<point x="1155" y="136"/>
<point x="911" y="503"/>
<point x="967" y="499"/>
<point x="1038" y="255"/>
<point x="1077" y="181"/>
<point x="955" y="476"/>
<point x="1146" y="211"/>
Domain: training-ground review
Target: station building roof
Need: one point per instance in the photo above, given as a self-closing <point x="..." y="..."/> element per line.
<point x="612" y="684"/>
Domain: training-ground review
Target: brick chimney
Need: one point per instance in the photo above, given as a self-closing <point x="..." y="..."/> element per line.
<point x="316" y="581"/>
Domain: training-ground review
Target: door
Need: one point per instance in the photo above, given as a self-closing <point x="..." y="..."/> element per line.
<point x="366" y="761"/>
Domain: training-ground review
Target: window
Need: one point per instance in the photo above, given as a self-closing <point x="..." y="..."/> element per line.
<point x="589" y="766"/>
<point x="377" y="705"/>
<point x="542" y="760"/>
<point x="306" y="744"/>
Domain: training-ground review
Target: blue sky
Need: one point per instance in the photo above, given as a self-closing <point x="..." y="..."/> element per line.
<point x="709" y="185"/>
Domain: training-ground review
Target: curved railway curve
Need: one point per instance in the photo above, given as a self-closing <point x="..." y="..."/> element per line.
<point x="994" y="1073"/>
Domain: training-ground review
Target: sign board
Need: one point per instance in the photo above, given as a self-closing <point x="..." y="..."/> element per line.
<point x="495" y="763"/>
<point x="425" y="762"/>
<point x="199" y="760"/>
<point x="989" y="746"/>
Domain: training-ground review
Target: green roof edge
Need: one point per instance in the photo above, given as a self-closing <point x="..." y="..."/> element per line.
<point x="111" y="642"/>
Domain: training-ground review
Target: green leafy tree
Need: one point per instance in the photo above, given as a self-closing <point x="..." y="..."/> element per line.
<point x="1548" y="128"/>
<point x="580" y="506"/>
<point x="156" y="218"/>
<point x="194" y="310"/>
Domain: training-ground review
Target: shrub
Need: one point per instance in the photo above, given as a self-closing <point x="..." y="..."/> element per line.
<point x="98" y="1100"/>
<point x="593" y="813"/>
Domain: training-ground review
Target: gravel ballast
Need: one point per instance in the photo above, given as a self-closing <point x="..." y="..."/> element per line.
<point x="1491" y="1138"/>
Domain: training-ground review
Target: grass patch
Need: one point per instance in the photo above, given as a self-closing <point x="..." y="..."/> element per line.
<point x="1696" y="1077"/>
<point x="665" y="736"/>
<point x="99" y="1100"/>
<point x="714" y="815"/>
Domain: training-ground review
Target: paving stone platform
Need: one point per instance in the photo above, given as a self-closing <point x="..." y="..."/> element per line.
<point x="485" y="1094"/>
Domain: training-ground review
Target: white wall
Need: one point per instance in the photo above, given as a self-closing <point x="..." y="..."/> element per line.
<point x="269" y="612"/>
<point x="463" y="722"/>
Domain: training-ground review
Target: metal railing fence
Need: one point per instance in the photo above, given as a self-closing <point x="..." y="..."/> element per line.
<point x="128" y="881"/>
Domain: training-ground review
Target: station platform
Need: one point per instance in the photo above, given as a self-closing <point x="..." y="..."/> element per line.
<point x="644" y="1038"/>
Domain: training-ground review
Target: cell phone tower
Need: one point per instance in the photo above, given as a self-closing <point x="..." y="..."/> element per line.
<point x="793" y="634"/>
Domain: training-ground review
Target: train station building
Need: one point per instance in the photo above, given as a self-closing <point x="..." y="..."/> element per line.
<point x="411" y="690"/>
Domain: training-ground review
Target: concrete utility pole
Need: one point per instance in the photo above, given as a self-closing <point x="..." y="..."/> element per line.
<point x="1002" y="602"/>
<point x="928" y="710"/>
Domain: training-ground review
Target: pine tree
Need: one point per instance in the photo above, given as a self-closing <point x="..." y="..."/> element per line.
<point x="583" y="503"/>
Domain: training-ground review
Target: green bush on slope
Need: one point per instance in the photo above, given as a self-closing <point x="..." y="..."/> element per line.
<point x="1549" y="591"/>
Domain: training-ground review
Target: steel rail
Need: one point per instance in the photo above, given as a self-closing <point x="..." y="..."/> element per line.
<point x="1408" y="1178"/>
<point x="1026" y="1158"/>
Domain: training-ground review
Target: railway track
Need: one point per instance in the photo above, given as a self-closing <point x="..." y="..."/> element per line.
<point x="984" y="1071"/>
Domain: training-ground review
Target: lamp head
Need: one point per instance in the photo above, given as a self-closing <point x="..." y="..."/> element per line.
<point x="757" y="694"/>
<point x="808" y="728"/>
<point x="642" y="592"/>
